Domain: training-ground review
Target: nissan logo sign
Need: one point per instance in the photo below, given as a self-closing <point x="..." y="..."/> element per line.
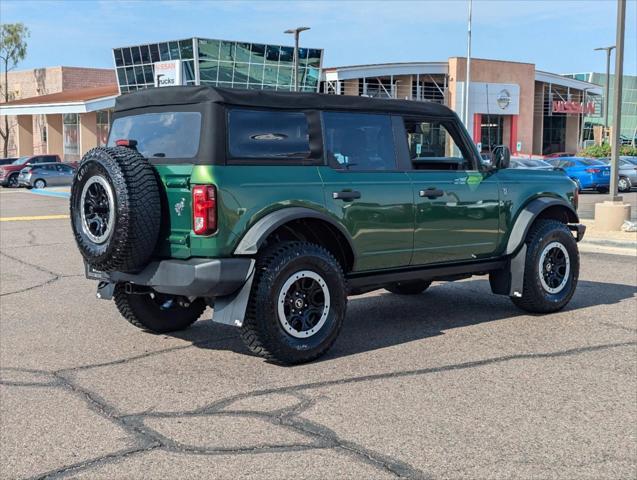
<point x="503" y="99"/>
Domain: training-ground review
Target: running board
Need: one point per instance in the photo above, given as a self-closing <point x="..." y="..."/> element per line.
<point x="361" y="281"/>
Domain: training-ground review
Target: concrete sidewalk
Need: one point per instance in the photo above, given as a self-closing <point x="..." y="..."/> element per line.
<point x="595" y="241"/>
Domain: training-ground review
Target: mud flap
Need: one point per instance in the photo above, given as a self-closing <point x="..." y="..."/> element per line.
<point x="231" y="309"/>
<point x="510" y="280"/>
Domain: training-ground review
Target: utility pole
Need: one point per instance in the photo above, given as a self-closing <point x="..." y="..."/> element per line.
<point x="465" y="102"/>
<point x="296" y="32"/>
<point x="607" y="94"/>
<point x="617" y="100"/>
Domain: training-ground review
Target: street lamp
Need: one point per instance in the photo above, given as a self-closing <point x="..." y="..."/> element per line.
<point x="296" y="32"/>
<point x="607" y="95"/>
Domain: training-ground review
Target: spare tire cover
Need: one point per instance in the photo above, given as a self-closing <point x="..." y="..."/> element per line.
<point x="115" y="209"/>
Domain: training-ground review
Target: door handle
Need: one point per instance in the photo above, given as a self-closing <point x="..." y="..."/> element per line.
<point x="346" y="195"/>
<point x="432" y="193"/>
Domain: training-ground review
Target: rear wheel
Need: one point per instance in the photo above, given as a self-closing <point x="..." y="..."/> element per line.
<point x="157" y="312"/>
<point x="551" y="269"/>
<point x="624" y="184"/>
<point x="297" y="305"/>
<point x="408" y="288"/>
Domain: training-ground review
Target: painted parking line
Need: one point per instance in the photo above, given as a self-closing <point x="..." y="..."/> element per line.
<point x="33" y="217"/>
<point x="51" y="193"/>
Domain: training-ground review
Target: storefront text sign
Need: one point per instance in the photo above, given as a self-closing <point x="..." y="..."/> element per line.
<point x="168" y="74"/>
<point x="573" y="107"/>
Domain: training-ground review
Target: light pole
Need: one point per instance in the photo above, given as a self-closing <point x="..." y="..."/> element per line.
<point x="296" y="32"/>
<point x="607" y="94"/>
<point x="617" y="100"/>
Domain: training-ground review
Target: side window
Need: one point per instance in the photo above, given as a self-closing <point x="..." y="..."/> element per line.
<point x="254" y="134"/>
<point x="432" y="146"/>
<point x="359" y="141"/>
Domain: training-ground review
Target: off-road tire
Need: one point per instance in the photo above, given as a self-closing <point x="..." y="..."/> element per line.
<point x="535" y="298"/>
<point x="146" y="313"/>
<point x="408" y="288"/>
<point x="137" y="207"/>
<point x="262" y="330"/>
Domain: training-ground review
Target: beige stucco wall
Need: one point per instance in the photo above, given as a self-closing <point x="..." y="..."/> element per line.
<point x="403" y="86"/>
<point x="538" y="118"/>
<point x="350" y="87"/>
<point x="495" y="71"/>
<point x="88" y="132"/>
<point x="55" y="142"/>
<point x="24" y="135"/>
<point x="571" y="140"/>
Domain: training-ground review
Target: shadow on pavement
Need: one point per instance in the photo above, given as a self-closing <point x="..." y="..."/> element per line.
<point x="387" y="320"/>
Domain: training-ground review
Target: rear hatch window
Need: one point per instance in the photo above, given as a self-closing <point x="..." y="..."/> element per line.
<point x="160" y="135"/>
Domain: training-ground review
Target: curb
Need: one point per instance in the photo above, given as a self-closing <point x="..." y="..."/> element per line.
<point x="608" y="247"/>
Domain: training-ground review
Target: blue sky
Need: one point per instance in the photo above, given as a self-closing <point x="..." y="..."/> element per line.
<point x="558" y="36"/>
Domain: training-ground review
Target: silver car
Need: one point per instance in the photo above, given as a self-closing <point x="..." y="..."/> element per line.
<point x="46" y="175"/>
<point x="627" y="172"/>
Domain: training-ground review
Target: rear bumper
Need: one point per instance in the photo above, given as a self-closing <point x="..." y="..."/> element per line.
<point x="196" y="277"/>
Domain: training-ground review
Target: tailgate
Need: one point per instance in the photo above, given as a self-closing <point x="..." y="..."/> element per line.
<point x="174" y="238"/>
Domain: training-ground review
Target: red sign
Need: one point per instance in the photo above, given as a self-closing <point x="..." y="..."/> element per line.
<point x="573" y="107"/>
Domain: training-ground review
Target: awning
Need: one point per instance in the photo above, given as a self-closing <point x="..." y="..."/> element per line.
<point x="69" y="101"/>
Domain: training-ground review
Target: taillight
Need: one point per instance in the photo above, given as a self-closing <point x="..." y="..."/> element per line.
<point x="593" y="170"/>
<point x="204" y="209"/>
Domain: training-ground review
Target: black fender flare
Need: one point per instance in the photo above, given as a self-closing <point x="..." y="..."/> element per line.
<point x="256" y="235"/>
<point x="529" y="213"/>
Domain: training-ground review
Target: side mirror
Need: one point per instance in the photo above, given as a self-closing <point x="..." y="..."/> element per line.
<point x="501" y="157"/>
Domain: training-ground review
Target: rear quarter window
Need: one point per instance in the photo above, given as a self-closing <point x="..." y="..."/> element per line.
<point x="254" y="134"/>
<point x="160" y="135"/>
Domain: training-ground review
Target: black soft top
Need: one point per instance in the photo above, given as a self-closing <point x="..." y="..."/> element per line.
<point x="190" y="95"/>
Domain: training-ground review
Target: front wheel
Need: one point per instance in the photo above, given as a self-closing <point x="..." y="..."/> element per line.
<point x="551" y="269"/>
<point x="297" y="305"/>
<point x="156" y="312"/>
<point x="13" y="181"/>
<point x="39" y="184"/>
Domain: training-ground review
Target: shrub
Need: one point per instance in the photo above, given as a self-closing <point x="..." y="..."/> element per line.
<point x="600" y="151"/>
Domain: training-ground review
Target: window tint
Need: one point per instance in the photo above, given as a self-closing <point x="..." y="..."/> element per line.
<point x="64" y="168"/>
<point x="160" y="135"/>
<point x="267" y="134"/>
<point x="432" y="147"/>
<point x="355" y="141"/>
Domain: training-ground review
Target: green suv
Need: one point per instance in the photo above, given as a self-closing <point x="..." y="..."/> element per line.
<point x="273" y="207"/>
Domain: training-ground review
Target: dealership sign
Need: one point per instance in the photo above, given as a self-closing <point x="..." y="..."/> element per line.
<point x="587" y="108"/>
<point x="168" y="74"/>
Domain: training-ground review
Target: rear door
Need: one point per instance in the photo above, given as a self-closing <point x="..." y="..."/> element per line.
<point x="457" y="203"/>
<point x="365" y="189"/>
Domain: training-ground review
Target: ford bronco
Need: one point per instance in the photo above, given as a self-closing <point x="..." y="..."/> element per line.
<point x="273" y="207"/>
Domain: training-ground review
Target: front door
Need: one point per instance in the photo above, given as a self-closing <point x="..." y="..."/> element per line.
<point x="366" y="191"/>
<point x="457" y="205"/>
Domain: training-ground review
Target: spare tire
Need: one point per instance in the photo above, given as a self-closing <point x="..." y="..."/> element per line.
<point x="115" y="209"/>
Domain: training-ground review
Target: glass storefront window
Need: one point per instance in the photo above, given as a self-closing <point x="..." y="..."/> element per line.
<point x="128" y="60"/>
<point x="185" y="46"/>
<point x="145" y="54"/>
<point x="117" y="54"/>
<point x="71" y="135"/>
<point x="491" y="130"/>
<point x="287" y="54"/>
<point x="272" y="54"/>
<point x="225" y="71"/>
<point x="257" y="53"/>
<point x="103" y="126"/>
<point x="242" y="52"/>
<point x="154" y="52"/>
<point x="174" y="50"/>
<point x="164" y="52"/>
<point x="208" y="49"/>
<point x="226" y="51"/>
<point x="137" y="56"/>
<point x="208" y="71"/>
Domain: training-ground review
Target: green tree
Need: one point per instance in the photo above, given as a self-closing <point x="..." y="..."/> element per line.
<point x="13" y="49"/>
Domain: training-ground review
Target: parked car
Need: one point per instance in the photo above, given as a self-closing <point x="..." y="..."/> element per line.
<point x="559" y="155"/>
<point x="587" y="173"/>
<point x="300" y="199"/>
<point x="8" y="160"/>
<point x="46" y="175"/>
<point x="627" y="172"/>
<point x="9" y="173"/>
<point x="531" y="164"/>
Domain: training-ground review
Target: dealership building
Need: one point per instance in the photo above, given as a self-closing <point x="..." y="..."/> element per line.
<point x="510" y="103"/>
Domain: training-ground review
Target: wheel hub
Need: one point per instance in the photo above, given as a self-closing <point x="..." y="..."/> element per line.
<point x="554" y="267"/>
<point x="97" y="209"/>
<point x="303" y="304"/>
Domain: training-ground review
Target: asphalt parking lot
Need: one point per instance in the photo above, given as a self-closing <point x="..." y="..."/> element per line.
<point x="587" y="201"/>
<point x="453" y="383"/>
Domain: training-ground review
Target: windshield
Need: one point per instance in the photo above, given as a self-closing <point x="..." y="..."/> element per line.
<point x="160" y="135"/>
<point x="20" y="161"/>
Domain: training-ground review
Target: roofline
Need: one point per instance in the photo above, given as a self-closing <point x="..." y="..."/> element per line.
<point x="85" y="106"/>
<point x="213" y="39"/>
<point x="383" y="69"/>
<point x="62" y="67"/>
<point x="555" y="78"/>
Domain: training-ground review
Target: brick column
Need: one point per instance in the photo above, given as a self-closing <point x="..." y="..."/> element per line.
<point x="350" y="87"/>
<point x="54" y="140"/>
<point x="403" y="89"/>
<point x="88" y="132"/>
<point x="24" y="135"/>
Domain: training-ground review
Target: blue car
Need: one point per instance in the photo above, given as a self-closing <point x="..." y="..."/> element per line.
<point x="587" y="173"/>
